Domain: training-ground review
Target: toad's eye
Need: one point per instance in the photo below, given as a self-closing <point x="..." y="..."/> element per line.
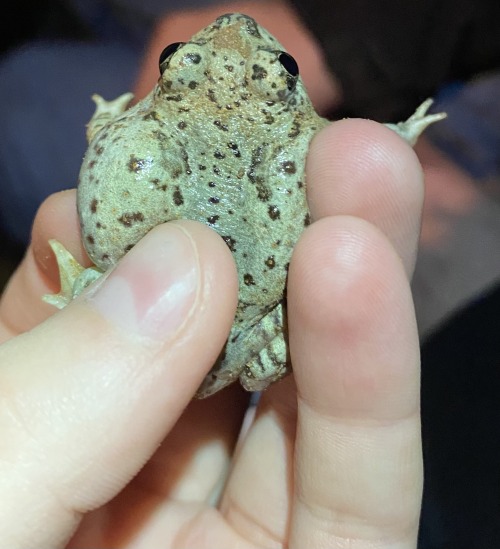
<point x="289" y="64"/>
<point x="167" y="53"/>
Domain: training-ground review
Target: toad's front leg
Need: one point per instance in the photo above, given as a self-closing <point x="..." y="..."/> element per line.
<point x="411" y="129"/>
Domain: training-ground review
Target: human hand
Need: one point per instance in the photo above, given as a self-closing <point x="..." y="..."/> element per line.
<point x="91" y="393"/>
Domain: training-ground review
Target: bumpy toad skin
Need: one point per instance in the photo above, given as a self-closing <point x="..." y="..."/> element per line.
<point x="221" y="139"/>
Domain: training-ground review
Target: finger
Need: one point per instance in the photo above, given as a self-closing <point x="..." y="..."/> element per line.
<point x="354" y="347"/>
<point x="21" y="307"/>
<point x="89" y="394"/>
<point x="257" y="498"/>
<point x="361" y="168"/>
<point x="185" y="475"/>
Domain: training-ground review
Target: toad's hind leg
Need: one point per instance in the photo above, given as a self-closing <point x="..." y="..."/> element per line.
<point x="73" y="277"/>
<point x="250" y="355"/>
<point x="270" y="365"/>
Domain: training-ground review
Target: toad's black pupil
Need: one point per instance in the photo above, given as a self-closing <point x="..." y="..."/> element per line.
<point x="289" y="64"/>
<point x="169" y="50"/>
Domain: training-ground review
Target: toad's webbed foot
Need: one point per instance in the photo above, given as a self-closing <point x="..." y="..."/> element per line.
<point x="270" y="365"/>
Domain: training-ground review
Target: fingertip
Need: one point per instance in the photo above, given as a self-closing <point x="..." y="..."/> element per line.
<point x="349" y="300"/>
<point x="361" y="168"/>
<point x="332" y="266"/>
<point x="366" y="154"/>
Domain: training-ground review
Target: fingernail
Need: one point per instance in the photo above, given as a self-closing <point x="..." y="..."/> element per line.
<point x="153" y="289"/>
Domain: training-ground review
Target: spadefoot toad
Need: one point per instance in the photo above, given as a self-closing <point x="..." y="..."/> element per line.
<point x="221" y="139"/>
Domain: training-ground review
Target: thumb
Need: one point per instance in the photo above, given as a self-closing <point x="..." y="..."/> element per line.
<point x="88" y="395"/>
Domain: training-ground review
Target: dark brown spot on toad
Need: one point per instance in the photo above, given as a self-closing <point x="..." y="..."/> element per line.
<point x="234" y="147"/>
<point x="231" y="242"/>
<point x="90" y="239"/>
<point x="211" y="96"/>
<point x="295" y="130"/>
<point x="93" y="205"/>
<point x="194" y="58"/>
<point x="152" y="115"/>
<point x="270" y="263"/>
<point x="268" y="118"/>
<point x="214" y="199"/>
<point x="185" y="158"/>
<point x="136" y="164"/>
<point x="273" y="212"/>
<point x="289" y="167"/>
<point x="263" y="191"/>
<point x="258" y="72"/>
<point x="212" y="219"/>
<point x="220" y="125"/>
<point x="248" y="279"/>
<point x="158" y="184"/>
<point x="182" y="125"/>
<point x="252" y="27"/>
<point x="129" y="218"/>
<point x="177" y="196"/>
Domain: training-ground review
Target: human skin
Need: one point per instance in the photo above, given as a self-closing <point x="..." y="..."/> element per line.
<point x="102" y="445"/>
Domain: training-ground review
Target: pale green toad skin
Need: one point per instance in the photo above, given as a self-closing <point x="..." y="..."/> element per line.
<point x="222" y="139"/>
